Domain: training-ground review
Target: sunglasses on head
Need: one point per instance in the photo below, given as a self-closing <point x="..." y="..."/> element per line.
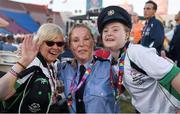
<point x="51" y="43"/>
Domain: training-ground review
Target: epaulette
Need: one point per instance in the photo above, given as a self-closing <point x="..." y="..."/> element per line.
<point x="69" y="62"/>
<point x="65" y="63"/>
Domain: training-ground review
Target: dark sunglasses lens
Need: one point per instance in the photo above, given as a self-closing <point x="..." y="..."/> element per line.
<point x="49" y="43"/>
<point x="60" y="44"/>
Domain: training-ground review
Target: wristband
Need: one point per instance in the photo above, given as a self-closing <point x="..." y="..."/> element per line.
<point x="14" y="73"/>
<point x="21" y="65"/>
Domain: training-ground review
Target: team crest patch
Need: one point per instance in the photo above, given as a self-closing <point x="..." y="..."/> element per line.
<point x="34" y="107"/>
<point x="137" y="77"/>
<point x="42" y="80"/>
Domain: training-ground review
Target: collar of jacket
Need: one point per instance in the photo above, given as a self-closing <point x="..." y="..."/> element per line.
<point x="42" y="59"/>
<point x="149" y="20"/>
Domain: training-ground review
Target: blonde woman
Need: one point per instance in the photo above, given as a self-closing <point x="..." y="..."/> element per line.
<point x="39" y="91"/>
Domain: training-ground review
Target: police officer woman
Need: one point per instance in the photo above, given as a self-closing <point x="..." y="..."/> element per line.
<point x="87" y="78"/>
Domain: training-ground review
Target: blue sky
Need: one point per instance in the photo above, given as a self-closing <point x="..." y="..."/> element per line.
<point x="72" y="5"/>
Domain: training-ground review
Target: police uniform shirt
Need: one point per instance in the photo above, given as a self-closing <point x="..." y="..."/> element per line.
<point x="80" y="107"/>
<point x="98" y="95"/>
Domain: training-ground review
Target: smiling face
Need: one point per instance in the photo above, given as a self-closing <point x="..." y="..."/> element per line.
<point x="81" y="44"/>
<point x="114" y="36"/>
<point x="51" y="39"/>
<point x="50" y="53"/>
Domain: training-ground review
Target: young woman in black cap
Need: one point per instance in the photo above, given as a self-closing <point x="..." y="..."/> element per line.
<point x="152" y="81"/>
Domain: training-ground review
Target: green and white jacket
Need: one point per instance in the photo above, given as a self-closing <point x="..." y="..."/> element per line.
<point x="151" y="93"/>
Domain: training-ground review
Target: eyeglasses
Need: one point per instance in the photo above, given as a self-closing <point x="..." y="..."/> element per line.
<point x="51" y="43"/>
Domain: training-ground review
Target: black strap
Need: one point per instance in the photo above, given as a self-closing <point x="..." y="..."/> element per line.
<point x="133" y="65"/>
<point x="29" y="70"/>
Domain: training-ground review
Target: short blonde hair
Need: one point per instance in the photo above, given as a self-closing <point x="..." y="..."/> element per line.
<point x="48" y="32"/>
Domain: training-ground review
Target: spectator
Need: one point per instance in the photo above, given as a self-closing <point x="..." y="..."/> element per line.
<point x="3" y="23"/>
<point x="8" y="45"/>
<point x="137" y="27"/>
<point x="174" y="49"/>
<point x="1" y="42"/>
<point x="153" y="31"/>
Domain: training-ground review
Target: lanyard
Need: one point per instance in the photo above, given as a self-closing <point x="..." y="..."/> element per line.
<point x="53" y="82"/>
<point x="74" y="87"/>
<point x="145" y="28"/>
<point x="52" y="75"/>
<point x="118" y="87"/>
<point x="121" y="72"/>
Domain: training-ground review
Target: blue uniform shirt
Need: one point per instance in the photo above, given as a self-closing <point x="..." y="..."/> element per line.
<point x="153" y="34"/>
<point x="98" y="95"/>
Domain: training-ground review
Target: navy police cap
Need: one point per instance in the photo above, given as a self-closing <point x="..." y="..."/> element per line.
<point x="113" y="13"/>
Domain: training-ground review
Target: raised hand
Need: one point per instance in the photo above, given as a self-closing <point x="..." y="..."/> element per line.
<point x="29" y="50"/>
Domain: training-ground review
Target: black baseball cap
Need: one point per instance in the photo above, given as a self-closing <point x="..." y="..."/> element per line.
<point x="113" y="13"/>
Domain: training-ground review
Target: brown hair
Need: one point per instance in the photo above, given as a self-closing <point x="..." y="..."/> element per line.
<point x="153" y="3"/>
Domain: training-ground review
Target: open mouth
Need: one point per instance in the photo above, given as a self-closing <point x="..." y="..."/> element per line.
<point x="52" y="52"/>
<point x="110" y="39"/>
